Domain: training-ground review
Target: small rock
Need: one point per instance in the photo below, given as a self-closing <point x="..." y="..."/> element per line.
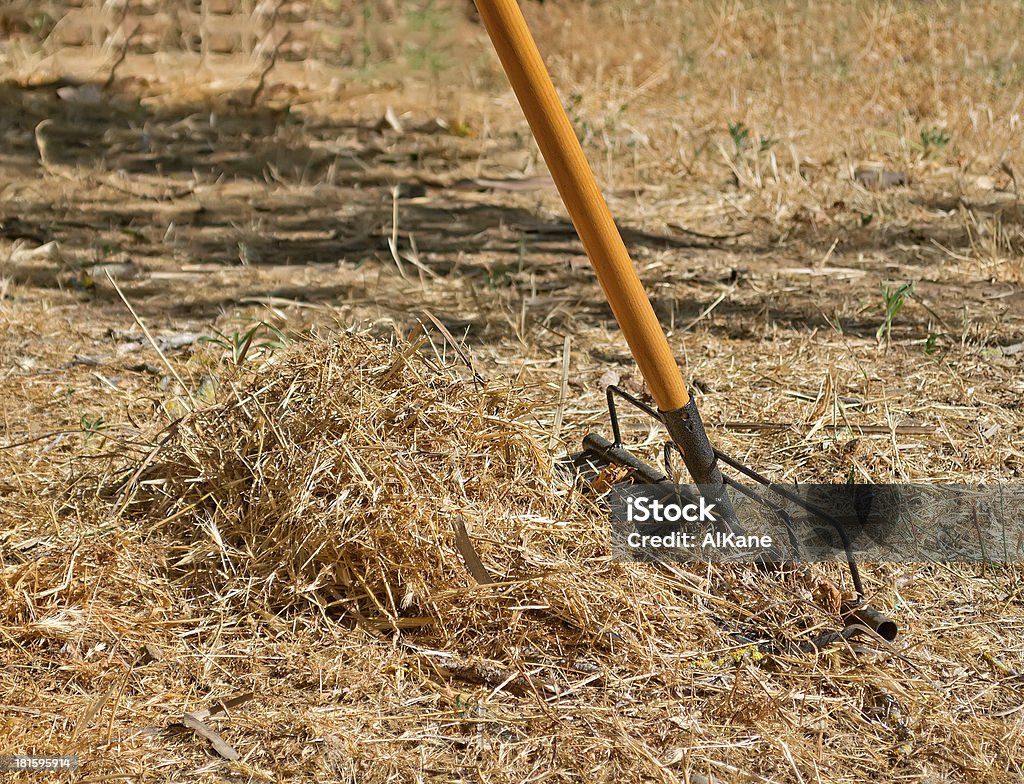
<point x="879" y="179"/>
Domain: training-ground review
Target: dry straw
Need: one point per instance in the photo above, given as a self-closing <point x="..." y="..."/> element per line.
<point x="288" y="572"/>
<point x="362" y="564"/>
<point x="342" y="482"/>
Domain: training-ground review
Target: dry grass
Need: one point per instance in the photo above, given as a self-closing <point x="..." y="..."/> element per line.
<point x="332" y="484"/>
<point x="278" y="559"/>
<point x="290" y="551"/>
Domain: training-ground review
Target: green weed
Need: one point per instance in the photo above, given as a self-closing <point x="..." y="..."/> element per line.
<point x="933" y="139"/>
<point x="261" y="336"/>
<point x="92" y="427"/>
<point x="429" y="50"/>
<point x="740" y="135"/>
<point x="894" y="300"/>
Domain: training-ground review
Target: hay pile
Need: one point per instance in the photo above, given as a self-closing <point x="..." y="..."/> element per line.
<point x="360" y="481"/>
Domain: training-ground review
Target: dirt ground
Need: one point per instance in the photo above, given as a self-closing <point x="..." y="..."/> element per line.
<point x="241" y="182"/>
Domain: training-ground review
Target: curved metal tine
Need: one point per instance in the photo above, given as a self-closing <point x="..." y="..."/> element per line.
<point x="635" y="401"/>
<point x="613" y="414"/>
<point x="789" y="495"/>
<point x="812" y="508"/>
<point x="778" y="511"/>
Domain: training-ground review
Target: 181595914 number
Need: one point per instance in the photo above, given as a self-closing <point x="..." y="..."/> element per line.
<point x="28" y="762"/>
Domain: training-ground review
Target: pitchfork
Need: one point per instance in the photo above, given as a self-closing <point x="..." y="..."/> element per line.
<point x="618" y="278"/>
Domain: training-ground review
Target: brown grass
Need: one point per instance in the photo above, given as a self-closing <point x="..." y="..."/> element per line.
<point x="290" y="551"/>
<point x="277" y="561"/>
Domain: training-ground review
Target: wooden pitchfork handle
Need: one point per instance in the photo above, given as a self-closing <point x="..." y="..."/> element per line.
<point x="593" y="221"/>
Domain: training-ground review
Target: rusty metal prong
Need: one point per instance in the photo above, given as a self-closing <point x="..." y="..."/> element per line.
<point x="778" y="511"/>
<point x="815" y="510"/>
<point x="613" y="415"/>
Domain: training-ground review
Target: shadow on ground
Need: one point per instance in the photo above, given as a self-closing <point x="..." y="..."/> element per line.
<point x="219" y="184"/>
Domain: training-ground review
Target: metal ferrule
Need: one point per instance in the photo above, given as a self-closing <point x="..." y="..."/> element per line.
<point x="687" y="431"/>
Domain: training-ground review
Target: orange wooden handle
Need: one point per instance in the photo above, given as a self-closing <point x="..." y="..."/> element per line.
<point x="586" y="206"/>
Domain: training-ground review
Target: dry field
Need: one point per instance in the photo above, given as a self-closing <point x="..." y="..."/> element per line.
<point x="293" y="321"/>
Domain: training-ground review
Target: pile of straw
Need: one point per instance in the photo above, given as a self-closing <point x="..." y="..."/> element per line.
<point x="366" y="482"/>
